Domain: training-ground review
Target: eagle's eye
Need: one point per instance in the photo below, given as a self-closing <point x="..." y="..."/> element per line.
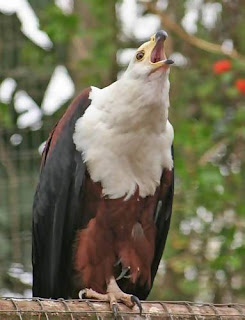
<point x="140" y="55"/>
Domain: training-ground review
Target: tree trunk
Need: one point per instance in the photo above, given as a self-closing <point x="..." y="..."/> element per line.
<point x="92" y="53"/>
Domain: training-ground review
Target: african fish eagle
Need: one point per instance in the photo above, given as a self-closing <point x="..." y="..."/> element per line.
<point x="103" y="203"/>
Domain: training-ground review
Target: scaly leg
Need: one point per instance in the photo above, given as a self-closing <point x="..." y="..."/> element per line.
<point x="114" y="294"/>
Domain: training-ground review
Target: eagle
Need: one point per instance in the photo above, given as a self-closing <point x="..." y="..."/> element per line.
<point x="103" y="203"/>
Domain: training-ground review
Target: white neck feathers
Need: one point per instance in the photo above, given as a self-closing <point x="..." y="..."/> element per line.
<point x="125" y="138"/>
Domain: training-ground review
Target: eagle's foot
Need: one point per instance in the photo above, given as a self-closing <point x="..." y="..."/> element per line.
<point x="113" y="296"/>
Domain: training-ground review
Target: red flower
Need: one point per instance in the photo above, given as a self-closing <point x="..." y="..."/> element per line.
<point x="221" y="66"/>
<point x="240" y="85"/>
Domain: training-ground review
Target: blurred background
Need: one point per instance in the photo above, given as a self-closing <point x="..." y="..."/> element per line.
<point x="50" y="50"/>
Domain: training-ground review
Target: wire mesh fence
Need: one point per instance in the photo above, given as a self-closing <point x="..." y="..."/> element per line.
<point x="20" y="154"/>
<point x="30" y="67"/>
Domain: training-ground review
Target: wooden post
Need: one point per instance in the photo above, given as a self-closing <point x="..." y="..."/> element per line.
<point x="25" y="309"/>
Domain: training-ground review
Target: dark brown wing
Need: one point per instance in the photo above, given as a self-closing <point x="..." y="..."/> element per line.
<point x="57" y="206"/>
<point x="163" y="217"/>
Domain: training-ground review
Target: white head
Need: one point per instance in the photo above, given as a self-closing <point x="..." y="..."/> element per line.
<point x="124" y="135"/>
<point x="150" y="61"/>
<point x="146" y="78"/>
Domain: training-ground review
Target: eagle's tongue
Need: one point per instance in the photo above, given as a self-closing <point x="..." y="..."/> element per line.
<point x="158" y="52"/>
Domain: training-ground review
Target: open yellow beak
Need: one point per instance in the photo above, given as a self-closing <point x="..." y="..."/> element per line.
<point x="154" y="50"/>
<point x="158" y="55"/>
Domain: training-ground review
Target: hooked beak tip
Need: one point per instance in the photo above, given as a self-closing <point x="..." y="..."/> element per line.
<point x="168" y="61"/>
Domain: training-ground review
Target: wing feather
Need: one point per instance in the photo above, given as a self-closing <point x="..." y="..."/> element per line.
<point x="57" y="209"/>
<point x="163" y="218"/>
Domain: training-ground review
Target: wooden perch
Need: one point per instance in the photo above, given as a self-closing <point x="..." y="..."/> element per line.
<point x="24" y="309"/>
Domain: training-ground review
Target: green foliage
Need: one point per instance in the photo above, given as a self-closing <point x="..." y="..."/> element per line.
<point x="5" y="115"/>
<point x="59" y="26"/>
<point x="207" y="231"/>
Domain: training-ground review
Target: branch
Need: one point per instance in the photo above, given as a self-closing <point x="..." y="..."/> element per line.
<point x="191" y="39"/>
<point x="90" y="309"/>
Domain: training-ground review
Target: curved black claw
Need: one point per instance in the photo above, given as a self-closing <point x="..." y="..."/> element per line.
<point x="115" y="309"/>
<point x="82" y="294"/>
<point x="136" y="300"/>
